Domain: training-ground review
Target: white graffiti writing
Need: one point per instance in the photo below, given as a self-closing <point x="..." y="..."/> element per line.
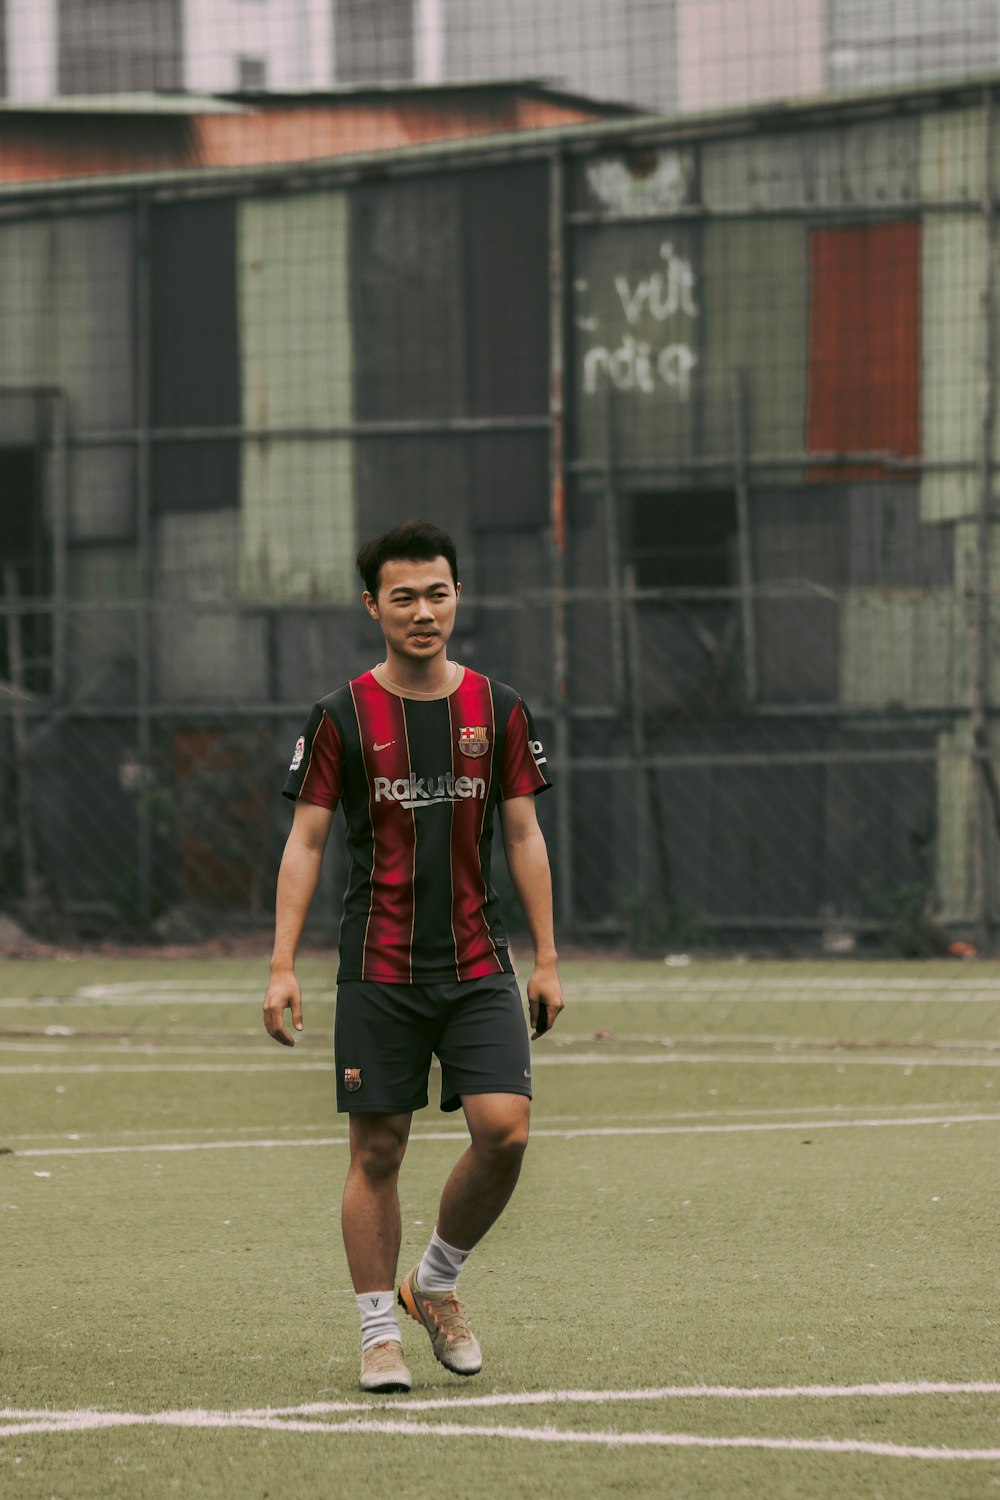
<point x="633" y="366"/>
<point x="634" y="363"/>
<point x="664" y="293"/>
<point x="666" y="183"/>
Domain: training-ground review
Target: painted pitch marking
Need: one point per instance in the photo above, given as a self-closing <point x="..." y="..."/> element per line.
<point x="690" y="990"/>
<point x="582" y="1059"/>
<point x="358" y="1425"/>
<point x="894" y="1389"/>
<point x="746" y="1127"/>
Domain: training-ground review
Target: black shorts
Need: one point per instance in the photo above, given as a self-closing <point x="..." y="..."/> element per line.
<point x="385" y="1035"/>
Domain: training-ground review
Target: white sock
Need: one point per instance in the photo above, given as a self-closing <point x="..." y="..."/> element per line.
<point x="440" y="1267"/>
<point x="378" y="1319"/>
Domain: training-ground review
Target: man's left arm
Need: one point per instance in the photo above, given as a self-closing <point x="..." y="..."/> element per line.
<point x="528" y="863"/>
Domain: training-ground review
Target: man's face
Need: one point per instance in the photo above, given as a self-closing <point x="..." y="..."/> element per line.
<point x="415" y="606"/>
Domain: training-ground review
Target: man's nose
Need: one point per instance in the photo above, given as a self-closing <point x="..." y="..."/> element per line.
<point x="424" y="611"/>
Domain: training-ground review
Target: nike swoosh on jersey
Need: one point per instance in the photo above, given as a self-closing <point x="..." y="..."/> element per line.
<point x="376" y="748"/>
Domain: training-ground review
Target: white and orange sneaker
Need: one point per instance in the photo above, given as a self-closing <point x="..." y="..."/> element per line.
<point x="441" y="1313"/>
<point x="383" y="1369"/>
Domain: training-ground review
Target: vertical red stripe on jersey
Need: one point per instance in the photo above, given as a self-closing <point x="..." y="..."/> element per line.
<point x="323" y="782"/>
<point x="471" y="706"/>
<point x="388" y="952"/>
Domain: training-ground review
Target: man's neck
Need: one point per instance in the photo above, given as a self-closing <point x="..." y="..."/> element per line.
<point x="428" y="677"/>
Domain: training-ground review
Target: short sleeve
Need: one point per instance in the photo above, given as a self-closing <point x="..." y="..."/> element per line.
<point x="316" y="773"/>
<point x="524" y="761"/>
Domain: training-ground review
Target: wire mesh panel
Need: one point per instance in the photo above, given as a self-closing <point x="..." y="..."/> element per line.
<point x="708" y="404"/>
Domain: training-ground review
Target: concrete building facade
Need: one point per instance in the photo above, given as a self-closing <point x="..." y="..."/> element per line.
<point x="662" y="55"/>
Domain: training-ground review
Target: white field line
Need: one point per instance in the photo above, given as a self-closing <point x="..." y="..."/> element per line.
<point x="146" y="998"/>
<point x="91" y="1421"/>
<point x="579" y="1059"/>
<point x="78" y="1042"/>
<point x="668" y="990"/>
<point x="668" y="983"/>
<point x="576" y="995"/>
<point x="747" y="1127"/>
<point x="839" y="1111"/>
<point x="893" y="1389"/>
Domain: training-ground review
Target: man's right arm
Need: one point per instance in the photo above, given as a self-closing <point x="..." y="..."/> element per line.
<point x="298" y="877"/>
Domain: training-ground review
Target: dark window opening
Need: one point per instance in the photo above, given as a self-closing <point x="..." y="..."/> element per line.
<point x="24" y="571"/>
<point x="684" y="539"/>
<point x="251" y="73"/>
<point x="374" y="41"/>
<point x="116" y="46"/>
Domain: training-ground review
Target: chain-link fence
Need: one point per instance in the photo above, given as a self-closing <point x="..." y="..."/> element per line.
<point x="708" y="403"/>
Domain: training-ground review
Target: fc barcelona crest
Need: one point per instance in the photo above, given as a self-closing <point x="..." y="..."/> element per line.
<point x="352" y="1080"/>
<point x="473" y="741"/>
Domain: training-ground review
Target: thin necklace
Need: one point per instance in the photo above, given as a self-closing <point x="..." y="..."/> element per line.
<point x="416" y="692"/>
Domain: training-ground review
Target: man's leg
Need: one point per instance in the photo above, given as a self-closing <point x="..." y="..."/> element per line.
<point x="482" y="1181"/>
<point x="370" y="1208"/>
<point x="474" y="1196"/>
<point x="371" y="1226"/>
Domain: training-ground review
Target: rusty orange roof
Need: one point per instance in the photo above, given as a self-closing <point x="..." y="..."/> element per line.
<point x="100" y="136"/>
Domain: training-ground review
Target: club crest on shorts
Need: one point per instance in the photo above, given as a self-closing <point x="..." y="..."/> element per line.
<point x="300" y="750"/>
<point x="352" y="1080"/>
<point x="473" y="740"/>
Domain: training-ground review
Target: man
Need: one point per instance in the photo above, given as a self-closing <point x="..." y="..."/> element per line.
<point x="420" y="751"/>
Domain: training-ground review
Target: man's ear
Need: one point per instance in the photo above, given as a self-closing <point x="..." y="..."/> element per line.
<point x="458" y="591"/>
<point x="370" y="604"/>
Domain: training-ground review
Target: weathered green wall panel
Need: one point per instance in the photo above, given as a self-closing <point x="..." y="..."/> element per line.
<point x="874" y="164"/>
<point x="952" y="156"/>
<point x="868" y="164"/>
<point x="953" y="276"/>
<point x="102" y="494"/>
<point x="755" y="318"/>
<point x="201" y="653"/>
<point x="297" y="533"/>
<point x="66" y="313"/>
<point x="903" y="649"/>
<point x="100" y="644"/>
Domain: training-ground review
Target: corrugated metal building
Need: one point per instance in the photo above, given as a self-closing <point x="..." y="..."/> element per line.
<point x="702" y="406"/>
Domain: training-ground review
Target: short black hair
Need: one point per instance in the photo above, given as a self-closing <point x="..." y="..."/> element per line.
<point x="418" y="540"/>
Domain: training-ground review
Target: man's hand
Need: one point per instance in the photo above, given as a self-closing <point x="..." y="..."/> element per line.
<point x="283" y="993"/>
<point x="544" y="989"/>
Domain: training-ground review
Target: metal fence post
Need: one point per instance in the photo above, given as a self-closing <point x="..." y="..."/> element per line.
<point x="984" y="783"/>
<point x="59" y="497"/>
<point x="612" y="539"/>
<point x="31" y="880"/>
<point x="557" y="519"/>
<point x="743" y="531"/>
<point x="144" y="551"/>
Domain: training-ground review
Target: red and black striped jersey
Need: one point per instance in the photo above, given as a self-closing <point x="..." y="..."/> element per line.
<point x="419" y="781"/>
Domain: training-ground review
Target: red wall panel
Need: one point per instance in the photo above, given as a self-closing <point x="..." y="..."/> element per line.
<point x="864" y="345"/>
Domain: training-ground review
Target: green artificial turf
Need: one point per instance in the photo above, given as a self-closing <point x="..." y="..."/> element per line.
<point x="152" y="1280"/>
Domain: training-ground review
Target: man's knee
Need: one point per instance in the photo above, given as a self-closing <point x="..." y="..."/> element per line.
<point x="378" y="1146"/>
<point x="500" y="1136"/>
